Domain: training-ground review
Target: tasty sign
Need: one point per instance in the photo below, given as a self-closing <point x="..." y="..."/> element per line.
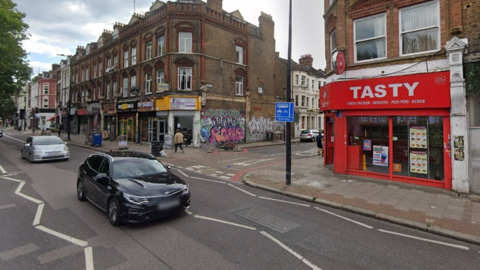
<point x="429" y="90"/>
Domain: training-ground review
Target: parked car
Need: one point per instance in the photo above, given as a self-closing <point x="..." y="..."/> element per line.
<point x="42" y="148"/>
<point x="131" y="186"/>
<point x="309" y="135"/>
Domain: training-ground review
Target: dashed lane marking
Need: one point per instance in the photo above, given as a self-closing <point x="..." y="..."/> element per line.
<point x="226" y="222"/>
<point x="347" y="219"/>
<point x="208" y="180"/>
<point x="2" y="169"/>
<point x="283" y="201"/>
<point x="246" y="192"/>
<point x="425" y="240"/>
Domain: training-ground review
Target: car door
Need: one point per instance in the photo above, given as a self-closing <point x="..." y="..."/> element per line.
<point x="92" y="165"/>
<point x="102" y="186"/>
<point x="25" y="148"/>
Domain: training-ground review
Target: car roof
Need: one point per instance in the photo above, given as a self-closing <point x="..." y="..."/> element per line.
<point x="116" y="155"/>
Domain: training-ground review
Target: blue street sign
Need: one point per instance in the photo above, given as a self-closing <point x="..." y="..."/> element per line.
<point x="284" y="111"/>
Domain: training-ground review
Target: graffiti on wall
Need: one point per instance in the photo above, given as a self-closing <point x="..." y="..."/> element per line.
<point x="220" y="125"/>
<point x="258" y="128"/>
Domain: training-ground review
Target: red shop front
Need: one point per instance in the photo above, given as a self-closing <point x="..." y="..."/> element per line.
<point x="392" y="128"/>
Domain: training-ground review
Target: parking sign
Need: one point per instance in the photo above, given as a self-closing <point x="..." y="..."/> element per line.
<point x="284" y="111"/>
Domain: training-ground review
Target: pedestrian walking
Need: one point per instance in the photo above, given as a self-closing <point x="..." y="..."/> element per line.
<point x="60" y="129"/>
<point x="178" y="140"/>
<point x="319" y="143"/>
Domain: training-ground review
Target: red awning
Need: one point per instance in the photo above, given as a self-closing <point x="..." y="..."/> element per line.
<point x="53" y="117"/>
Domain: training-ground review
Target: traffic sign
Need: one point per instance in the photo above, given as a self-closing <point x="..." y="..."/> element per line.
<point x="284" y="111"/>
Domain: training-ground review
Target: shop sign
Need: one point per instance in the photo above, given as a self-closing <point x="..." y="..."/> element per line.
<point x="182" y="103"/>
<point x="82" y="112"/>
<point x="128" y="106"/>
<point x="380" y="155"/>
<point x="430" y="90"/>
<point x="146" y="105"/>
<point x="93" y="108"/>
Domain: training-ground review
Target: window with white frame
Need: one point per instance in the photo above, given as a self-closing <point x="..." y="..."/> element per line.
<point x="333" y="46"/>
<point x="296" y="79"/>
<point x="420" y="28"/>
<point x="319" y="84"/>
<point x="108" y="91"/>
<point x="160" y="46"/>
<point x="296" y="100"/>
<point x="83" y="96"/>
<point x="239" y="55"/>
<point x="125" y="87"/>
<point x="133" y="81"/>
<point x="125" y="58"/>
<point x="160" y="76"/>
<point x="148" y="83"/>
<point x="134" y="56"/>
<point x="100" y="69"/>
<point x="185" y="42"/>
<point x="94" y="94"/>
<point x="303" y="101"/>
<point x="307" y="99"/>
<point x="370" y="39"/>
<point x="45" y="102"/>
<point x="148" y="52"/>
<point x="308" y="83"/>
<point x="115" y="88"/>
<point x="115" y="59"/>
<point x="87" y="74"/>
<point x="260" y="88"/>
<point x="303" y="80"/>
<point x="239" y="86"/>
<point x="94" y="71"/>
<point x="184" y="78"/>
<point x="99" y="91"/>
<point x="313" y="84"/>
<point x="45" y="89"/>
<point x="109" y="62"/>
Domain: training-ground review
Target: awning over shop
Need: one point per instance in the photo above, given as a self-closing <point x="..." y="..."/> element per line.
<point x="53" y="117"/>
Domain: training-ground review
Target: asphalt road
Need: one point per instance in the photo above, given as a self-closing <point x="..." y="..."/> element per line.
<point x="229" y="225"/>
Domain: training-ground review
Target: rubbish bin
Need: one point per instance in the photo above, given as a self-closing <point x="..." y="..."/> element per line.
<point x="157" y="147"/>
<point x="97" y="139"/>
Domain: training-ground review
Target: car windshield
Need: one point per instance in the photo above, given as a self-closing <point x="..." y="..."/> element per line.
<point x="47" y="140"/>
<point x="305" y="131"/>
<point x="130" y="168"/>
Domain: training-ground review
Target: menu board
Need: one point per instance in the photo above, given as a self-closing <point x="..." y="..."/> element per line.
<point x="418" y="162"/>
<point x="418" y="137"/>
<point x="380" y="155"/>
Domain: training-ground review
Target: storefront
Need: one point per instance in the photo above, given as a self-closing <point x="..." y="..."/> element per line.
<point x="126" y="113"/>
<point x="94" y="119"/>
<point x="109" y="120"/>
<point x="147" y="120"/>
<point x="393" y="128"/>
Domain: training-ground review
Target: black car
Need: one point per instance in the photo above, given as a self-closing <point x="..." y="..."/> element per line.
<point x="131" y="186"/>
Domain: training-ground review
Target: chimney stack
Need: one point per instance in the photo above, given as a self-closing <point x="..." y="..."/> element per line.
<point x="306" y="60"/>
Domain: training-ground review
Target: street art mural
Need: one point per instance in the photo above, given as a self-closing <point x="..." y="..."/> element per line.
<point x="258" y="128"/>
<point x="221" y="125"/>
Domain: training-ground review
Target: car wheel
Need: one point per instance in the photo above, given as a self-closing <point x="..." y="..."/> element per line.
<point x="113" y="212"/>
<point x="80" y="193"/>
<point x="30" y="158"/>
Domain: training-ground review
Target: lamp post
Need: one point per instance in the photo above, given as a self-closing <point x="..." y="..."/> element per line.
<point x="69" y="104"/>
<point x="288" y="173"/>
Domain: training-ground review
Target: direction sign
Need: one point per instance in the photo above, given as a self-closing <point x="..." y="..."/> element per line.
<point x="284" y="111"/>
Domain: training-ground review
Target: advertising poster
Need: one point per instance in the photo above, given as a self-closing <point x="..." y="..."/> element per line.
<point x="459" y="146"/>
<point x="380" y="155"/>
<point x="367" y="145"/>
<point x="419" y="162"/>
<point x="168" y="144"/>
<point x="122" y="141"/>
<point x="418" y="137"/>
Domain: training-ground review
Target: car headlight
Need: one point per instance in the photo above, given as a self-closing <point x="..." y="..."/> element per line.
<point x="185" y="190"/>
<point x="38" y="151"/>
<point x="65" y="149"/>
<point x="135" y="199"/>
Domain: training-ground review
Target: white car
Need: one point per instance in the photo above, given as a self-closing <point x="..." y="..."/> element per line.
<point x="42" y="148"/>
<point x="309" y="135"/>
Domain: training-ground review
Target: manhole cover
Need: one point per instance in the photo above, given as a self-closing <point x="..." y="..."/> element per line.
<point x="267" y="220"/>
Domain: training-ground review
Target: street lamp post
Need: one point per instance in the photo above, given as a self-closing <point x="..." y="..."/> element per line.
<point x="289" y="78"/>
<point x="69" y="104"/>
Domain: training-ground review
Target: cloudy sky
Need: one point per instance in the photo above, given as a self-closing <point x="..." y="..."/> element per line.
<point x="59" y="26"/>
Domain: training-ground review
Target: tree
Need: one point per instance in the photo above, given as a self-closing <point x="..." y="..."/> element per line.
<point x="14" y="69"/>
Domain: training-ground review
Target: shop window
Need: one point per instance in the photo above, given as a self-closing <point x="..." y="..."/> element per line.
<point x="184" y="78"/>
<point x="148" y="53"/>
<point x="420" y="28"/>
<point x="185" y="42"/>
<point x="370" y="40"/>
<point x="160" y="46"/>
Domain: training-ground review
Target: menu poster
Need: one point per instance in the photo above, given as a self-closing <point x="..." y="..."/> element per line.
<point x="380" y="155"/>
<point x="418" y="162"/>
<point x="418" y="137"/>
<point x="367" y="145"/>
<point x="459" y="147"/>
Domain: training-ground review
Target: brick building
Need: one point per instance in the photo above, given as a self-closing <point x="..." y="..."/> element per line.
<point x="42" y="100"/>
<point x="183" y="64"/>
<point x="395" y="98"/>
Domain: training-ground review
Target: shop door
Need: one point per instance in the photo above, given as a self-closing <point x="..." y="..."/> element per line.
<point x="126" y="127"/>
<point x="161" y="127"/>
<point x="328" y="138"/>
<point x="151" y="128"/>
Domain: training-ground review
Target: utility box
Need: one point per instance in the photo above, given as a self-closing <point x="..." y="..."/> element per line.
<point x="97" y="139"/>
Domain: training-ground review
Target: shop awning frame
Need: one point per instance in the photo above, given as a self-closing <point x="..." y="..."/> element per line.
<point x="53" y="117"/>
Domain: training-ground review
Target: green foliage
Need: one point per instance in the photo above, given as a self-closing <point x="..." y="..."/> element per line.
<point x="14" y="69"/>
<point x="7" y="107"/>
<point x="472" y="78"/>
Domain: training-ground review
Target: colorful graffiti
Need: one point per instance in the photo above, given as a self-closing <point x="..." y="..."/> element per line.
<point x="258" y="128"/>
<point x="220" y="125"/>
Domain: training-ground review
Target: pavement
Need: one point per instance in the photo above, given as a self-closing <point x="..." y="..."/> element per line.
<point x="433" y="210"/>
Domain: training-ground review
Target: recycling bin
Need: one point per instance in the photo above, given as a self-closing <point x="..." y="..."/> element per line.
<point x="157" y="147"/>
<point x="97" y="139"/>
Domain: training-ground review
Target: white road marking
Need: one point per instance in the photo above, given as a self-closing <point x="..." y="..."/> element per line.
<point x="305" y="261"/>
<point x="62" y="236"/>
<point x="59" y="253"/>
<point x="249" y="163"/>
<point x="208" y="180"/>
<point x="226" y="222"/>
<point x="13" y="138"/>
<point x="188" y="212"/>
<point x="7" y="206"/>
<point x="225" y="177"/>
<point x="219" y="172"/>
<point x="89" y="258"/>
<point x="426" y="240"/>
<point x="251" y="194"/>
<point x="184" y="174"/>
<point x="19" y="188"/>
<point x="301" y="204"/>
<point x="351" y="220"/>
<point x="2" y="169"/>
<point x="38" y="215"/>
<point x="230" y="174"/>
<point x="19" y="251"/>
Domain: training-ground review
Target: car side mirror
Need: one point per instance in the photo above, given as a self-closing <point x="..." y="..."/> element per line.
<point x="27" y="145"/>
<point x="168" y="167"/>
<point x="102" y="178"/>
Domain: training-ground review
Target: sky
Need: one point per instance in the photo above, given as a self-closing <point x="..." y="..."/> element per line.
<point x="59" y="26"/>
